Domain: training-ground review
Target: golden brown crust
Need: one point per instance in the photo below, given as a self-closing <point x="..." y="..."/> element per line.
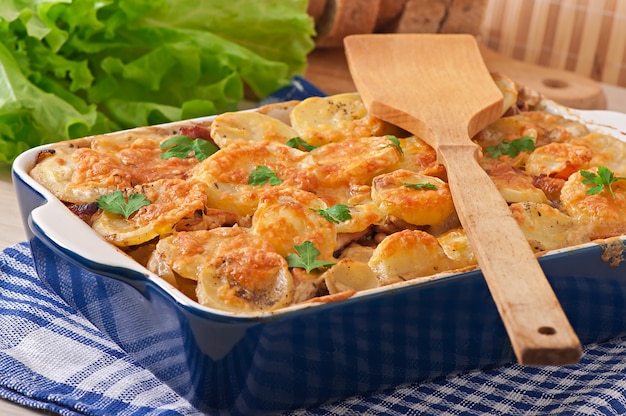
<point x="210" y="227"/>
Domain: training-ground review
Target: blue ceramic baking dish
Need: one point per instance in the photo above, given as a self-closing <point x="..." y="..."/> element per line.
<point x="312" y="353"/>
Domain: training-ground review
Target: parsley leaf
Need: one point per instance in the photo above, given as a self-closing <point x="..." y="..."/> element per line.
<point x="180" y="146"/>
<point x="395" y="142"/>
<point x="299" y="143"/>
<point x="305" y="259"/>
<point x="511" y="148"/>
<point x="335" y="214"/>
<point x="115" y="203"/>
<point x="427" y="185"/>
<point x="261" y="174"/>
<point x="599" y="180"/>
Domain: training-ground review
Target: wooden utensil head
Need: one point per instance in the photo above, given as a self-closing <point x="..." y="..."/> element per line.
<point x="425" y="83"/>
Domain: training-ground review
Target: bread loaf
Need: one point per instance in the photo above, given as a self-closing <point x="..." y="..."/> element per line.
<point x="336" y="19"/>
<point x="315" y="9"/>
<point x="345" y="17"/>
<point x="422" y="16"/>
<point x="388" y="14"/>
<point x="464" y="16"/>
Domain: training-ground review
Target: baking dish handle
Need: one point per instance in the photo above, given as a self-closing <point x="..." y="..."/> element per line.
<point x="73" y="239"/>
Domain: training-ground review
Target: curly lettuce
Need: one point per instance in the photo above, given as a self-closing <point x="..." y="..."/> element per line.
<point x="72" y="68"/>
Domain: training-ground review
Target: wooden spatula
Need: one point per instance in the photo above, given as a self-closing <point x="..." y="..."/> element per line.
<point x="438" y="88"/>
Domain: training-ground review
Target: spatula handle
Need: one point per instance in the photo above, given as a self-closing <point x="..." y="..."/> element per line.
<point x="539" y="331"/>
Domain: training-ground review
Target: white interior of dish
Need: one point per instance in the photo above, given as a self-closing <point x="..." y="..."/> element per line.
<point x="69" y="232"/>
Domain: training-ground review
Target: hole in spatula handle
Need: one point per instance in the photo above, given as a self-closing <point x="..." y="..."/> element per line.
<point x="546" y="330"/>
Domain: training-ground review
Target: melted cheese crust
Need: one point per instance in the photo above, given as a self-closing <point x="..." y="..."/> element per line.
<point x="172" y="200"/>
<point x="288" y="217"/>
<point x="354" y="160"/>
<point x="111" y="162"/>
<point x="235" y="269"/>
<point x="395" y="196"/>
<point x="224" y="239"/>
<point x="227" y="173"/>
<point x="602" y="213"/>
<point x="558" y="160"/>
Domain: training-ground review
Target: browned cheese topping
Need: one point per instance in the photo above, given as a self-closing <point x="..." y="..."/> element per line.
<point x="317" y="200"/>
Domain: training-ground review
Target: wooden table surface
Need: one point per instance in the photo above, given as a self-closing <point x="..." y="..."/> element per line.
<point x="12" y="231"/>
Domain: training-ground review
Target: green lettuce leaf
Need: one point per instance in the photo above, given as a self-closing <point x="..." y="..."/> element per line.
<point x="71" y="68"/>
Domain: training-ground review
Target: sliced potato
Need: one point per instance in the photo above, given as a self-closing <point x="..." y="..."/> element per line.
<point x="547" y="228"/>
<point x="603" y="213"/>
<point x="355" y="161"/>
<point x="288" y="217"/>
<point x="363" y="215"/>
<point x="235" y="269"/>
<point x="246" y="279"/>
<point x="513" y="184"/>
<point x="420" y="157"/>
<point x="349" y="274"/>
<point x="607" y="151"/>
<point x="323" y="120"/>
<point x="248" y="126"/>
<point x="558" y="160"/>
<point x="228" y="171"/>
<point x="172" y="200"/>
<point x="457" y="247"/>
<point x="407" y="255"/>
<point x="81" y="175"/>
<point x="403" y="194"/>
<point x="508" y="89"/>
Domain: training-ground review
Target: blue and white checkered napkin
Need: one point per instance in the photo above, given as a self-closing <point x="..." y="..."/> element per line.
<point x="52" y="358"/>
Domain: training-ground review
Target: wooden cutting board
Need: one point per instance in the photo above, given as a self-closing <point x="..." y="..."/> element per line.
<point x="328" y="70"/>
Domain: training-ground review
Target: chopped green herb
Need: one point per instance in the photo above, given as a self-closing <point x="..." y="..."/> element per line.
<point x="261" y="174"/>
<point x="427" y="185"/>
<point x="180" y="146"/>
<point x="115" y="203"/>
<point x="298" y="143"/>
<point x="335" y="214"/>
<point x="599" y="180"/>
<point x="511" y="148"/>
<point x="395" y="142"/>
<point x="305" y="259"/>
